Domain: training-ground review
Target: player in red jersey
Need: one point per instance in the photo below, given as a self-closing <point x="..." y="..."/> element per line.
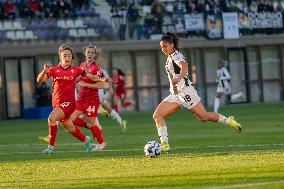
<point x="88" y="99"/>
<point x="119" y="89"/>
<point x="63" y="98"/>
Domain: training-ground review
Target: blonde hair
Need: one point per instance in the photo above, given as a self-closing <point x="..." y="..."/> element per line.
<point x="98" y="51"/>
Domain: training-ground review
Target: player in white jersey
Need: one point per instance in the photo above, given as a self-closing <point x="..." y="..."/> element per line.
<point x="224" y="86"/>
<point x="106" y="107"/>
<point x="182" y="93"/>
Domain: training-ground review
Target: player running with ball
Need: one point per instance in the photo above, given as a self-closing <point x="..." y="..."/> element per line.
<point x="182" y="93"/>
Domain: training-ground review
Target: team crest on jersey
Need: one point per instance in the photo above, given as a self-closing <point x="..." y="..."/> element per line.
<point x="72" y="71"/>
<point x="58" y="71"/>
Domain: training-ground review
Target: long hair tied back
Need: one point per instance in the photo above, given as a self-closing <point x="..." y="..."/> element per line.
<point x="171" y="38"/>
<point x="98" y="51"/>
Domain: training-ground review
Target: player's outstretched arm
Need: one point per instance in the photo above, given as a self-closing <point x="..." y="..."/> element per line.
<point x="93" y="77"/>
<point x="42" y="75"/>
<point x="98" y="85"/>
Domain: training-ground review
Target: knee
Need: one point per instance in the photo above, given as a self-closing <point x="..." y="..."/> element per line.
<point x="70" y="129"/>
<point x="157" y="116"/>
<point x="51" y="120"/>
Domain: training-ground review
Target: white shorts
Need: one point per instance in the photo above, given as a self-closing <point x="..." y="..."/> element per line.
<point x="102" y="95"/>
<point x="225" y="90"/>
<point x="187" y="97"/>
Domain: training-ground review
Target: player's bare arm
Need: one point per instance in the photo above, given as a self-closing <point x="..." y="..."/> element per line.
<point x="98" y="85"/>
<point x="93" y="77"/>
<point x="42" y="75"/>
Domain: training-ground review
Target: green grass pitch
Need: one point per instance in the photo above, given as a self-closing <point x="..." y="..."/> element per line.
<point x="204" y="155"/>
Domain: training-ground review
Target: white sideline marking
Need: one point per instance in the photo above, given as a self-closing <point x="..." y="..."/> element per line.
<point x="121" y="150"/>
<point x="249" y="184"/>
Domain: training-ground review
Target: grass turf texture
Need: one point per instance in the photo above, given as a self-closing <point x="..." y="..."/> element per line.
<point x="204" y="155"/>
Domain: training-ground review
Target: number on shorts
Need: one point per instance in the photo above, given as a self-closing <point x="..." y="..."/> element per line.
<point x="186" y="98"/>
<point x="65" y="104"/>
<point x="91" y="109"/>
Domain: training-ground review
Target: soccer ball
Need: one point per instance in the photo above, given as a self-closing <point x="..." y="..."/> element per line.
<point x="152" y="149"/>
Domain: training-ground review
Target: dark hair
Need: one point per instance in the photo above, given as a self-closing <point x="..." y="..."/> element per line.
<point x="65" y="47"/>
<point x="120" y="72"/>
<point x="171" y="38"/>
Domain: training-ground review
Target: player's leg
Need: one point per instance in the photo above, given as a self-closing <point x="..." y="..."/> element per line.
<point x="116" y="100"/>
<point x="237" y="97"/>
<point x="71" y="128"/>
<point x="123" y="100"/>
<point x="164" y="110"/>
<point x="217" y="99"/>
<point x="98" y="123"/>
<point x="114" y="115"/>
<point x="96" y="132"/>
<point x="54" y="116"/>
<point x="199" y="111"/>
<point x="77" y="120"/>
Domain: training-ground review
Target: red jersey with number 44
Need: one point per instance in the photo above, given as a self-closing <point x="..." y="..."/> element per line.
<point x="63" y="83"/>
<point x="88" y="94"/>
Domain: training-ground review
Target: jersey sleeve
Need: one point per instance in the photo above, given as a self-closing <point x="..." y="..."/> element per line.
<point x="226" y="74"/>
<point x="105" y="74"/>
<point x="50" y="72"/>
<point x="177" y="57"/>
<point x="80" y="71"/>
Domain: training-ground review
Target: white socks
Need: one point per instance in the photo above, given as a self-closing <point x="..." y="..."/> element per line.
<point x="163" y="134"/>
<point x="236" y="96"/>
<point x="223" y="119"/>
<point x="216" y="104"/>
<point x="116" y="117"/>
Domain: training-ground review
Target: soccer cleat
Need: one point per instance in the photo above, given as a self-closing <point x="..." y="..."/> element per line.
<point x="102" y="111"/>
<point x="99" y="147"/>
<point x="88" y="144"/>
<point x="165" y="147"/>
<point x="123" y="125"/>
<point x="43" y="139"/>
<point x="49" y="150"/>
<point x="234" y="124"/>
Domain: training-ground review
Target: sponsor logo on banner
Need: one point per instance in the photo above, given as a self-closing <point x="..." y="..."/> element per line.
<point x="194" y="22"/>
<point x="214" y="26"/>
<point x="230" y="25"/>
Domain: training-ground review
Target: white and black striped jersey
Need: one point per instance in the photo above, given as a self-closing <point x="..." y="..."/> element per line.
<point x="173" y="71"/>
<point x="105" y="74"/>
<point x="223" y="77"/>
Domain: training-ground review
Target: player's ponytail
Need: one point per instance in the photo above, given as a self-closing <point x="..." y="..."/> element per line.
<point x="171" y="38"/>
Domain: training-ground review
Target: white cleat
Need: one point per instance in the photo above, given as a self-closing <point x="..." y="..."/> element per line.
<point x="99" y="147"/>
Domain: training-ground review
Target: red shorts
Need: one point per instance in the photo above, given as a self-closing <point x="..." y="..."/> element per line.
<point x="90" y="109"/>
<point x="120" y="94"/>
<point x="68" y="108"/>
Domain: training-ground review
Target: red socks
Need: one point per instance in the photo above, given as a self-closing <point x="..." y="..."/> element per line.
<point x="52" y="131"/>
<point x="77" y="134"/>
<point x="80" y="122"/>
<point x="97" y="133"/>
<point x="127" y="103"/>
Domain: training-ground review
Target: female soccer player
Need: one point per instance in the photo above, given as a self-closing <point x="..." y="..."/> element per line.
<point x="88" y="98"/>
<point x="106" y="107"/>
<point x="224" y="87"/>
<point x="182" y="93"/>
<point x="119" y="89"/>
<point x="63" y="96"/>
